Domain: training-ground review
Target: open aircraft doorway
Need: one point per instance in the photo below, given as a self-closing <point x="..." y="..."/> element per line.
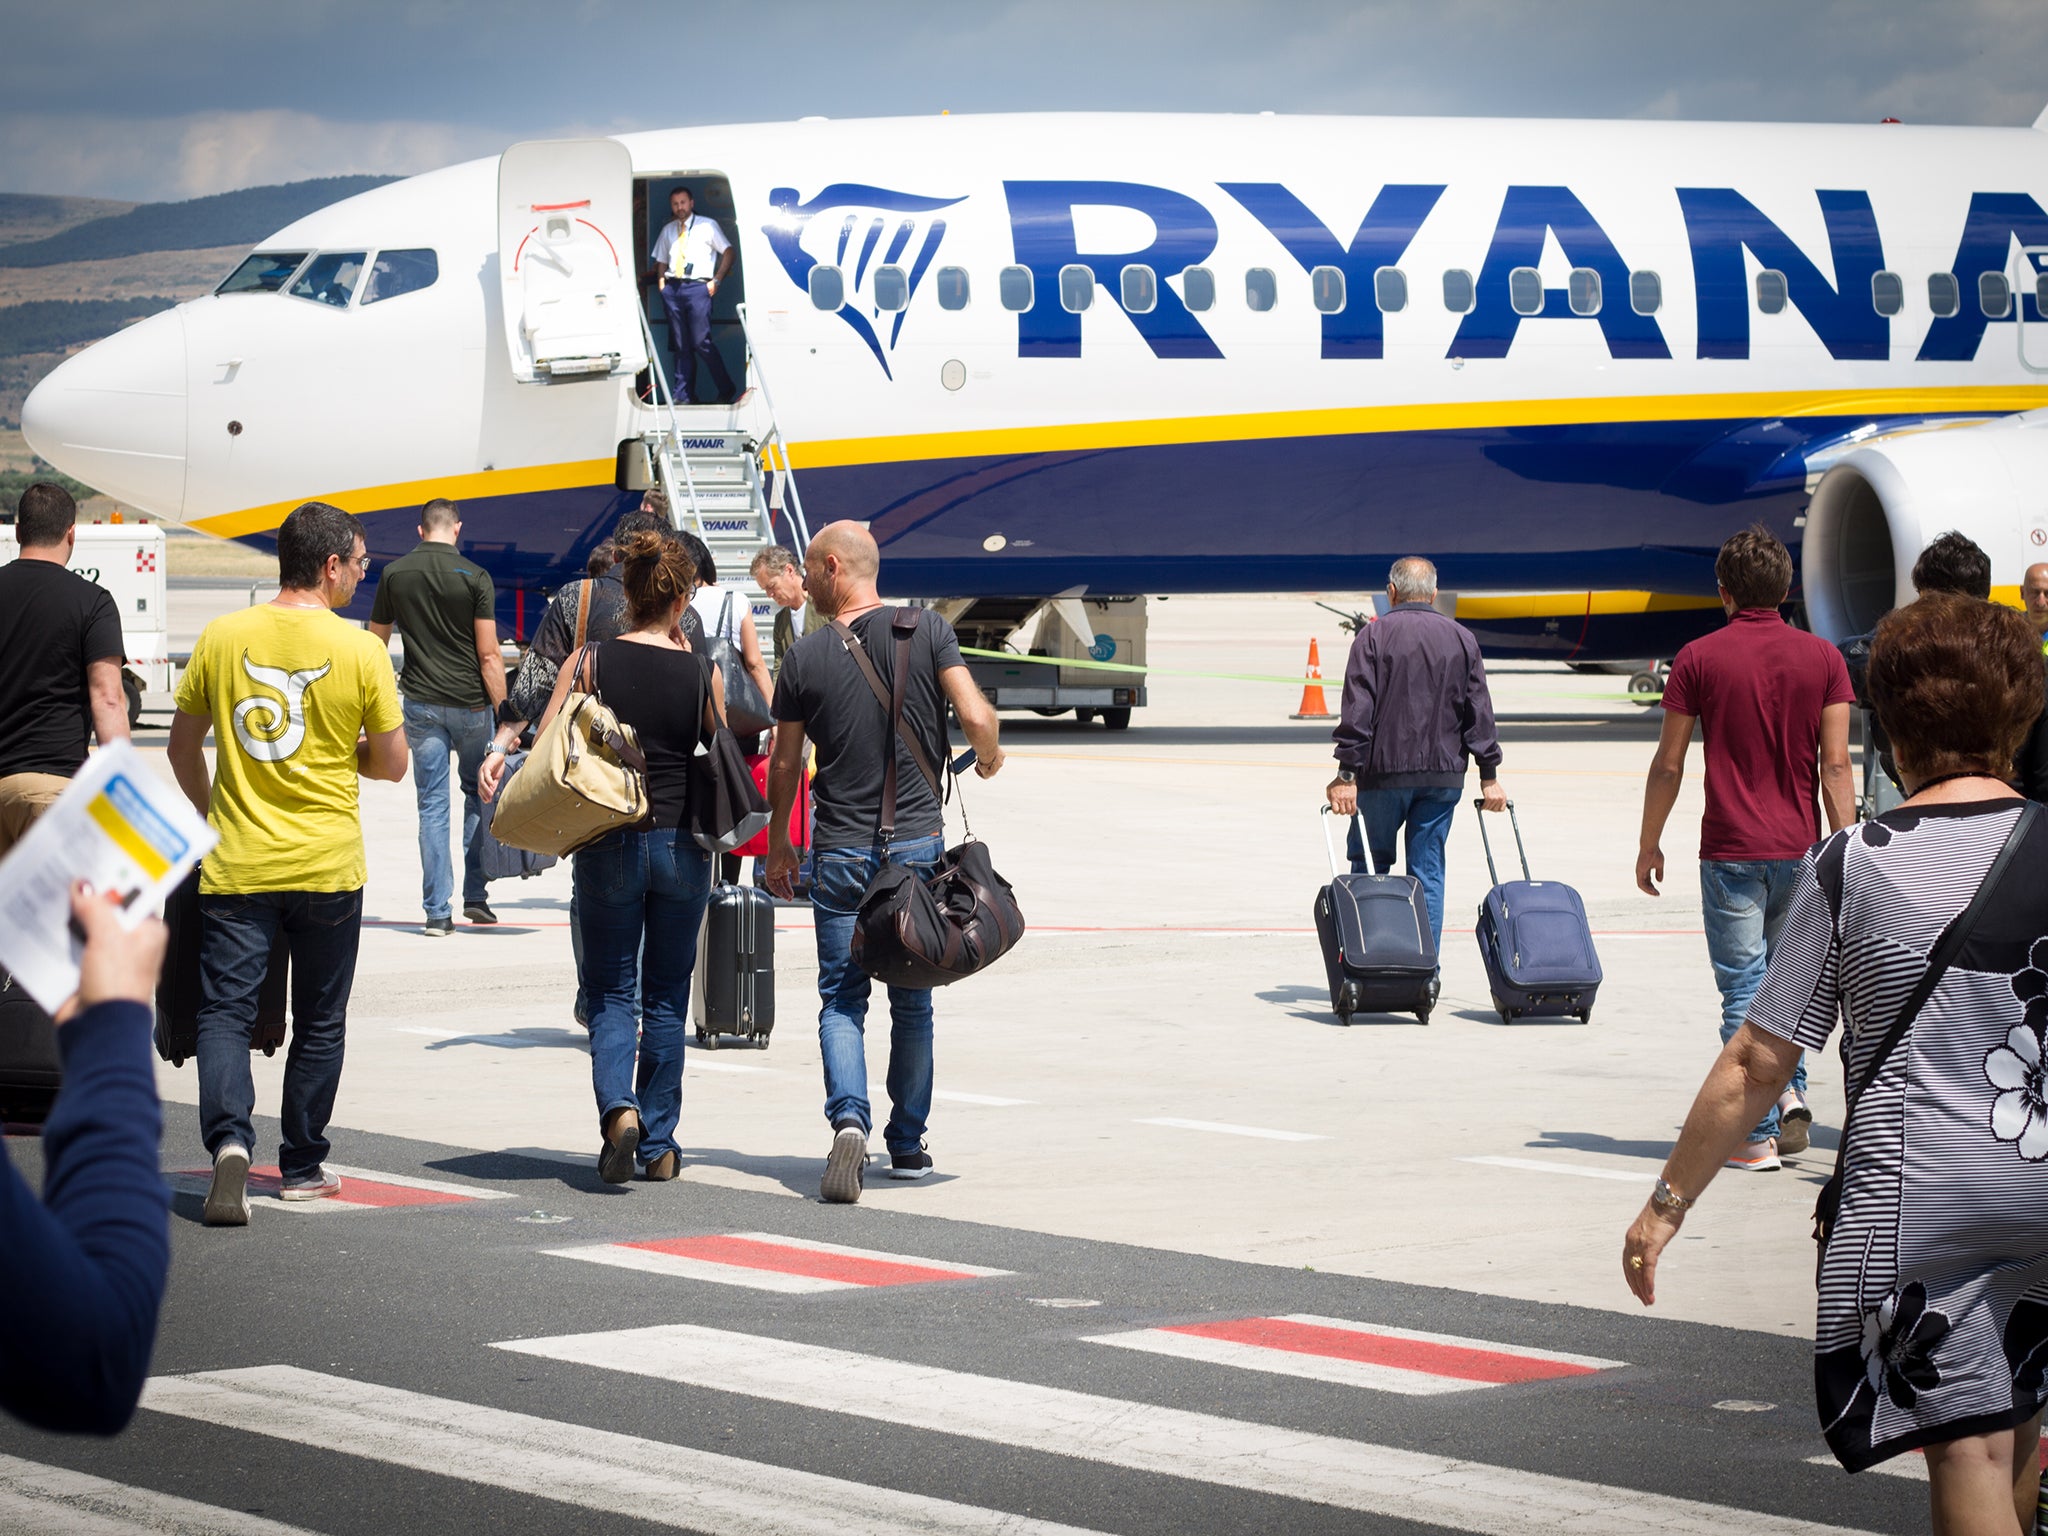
<point x="711" y="192"/>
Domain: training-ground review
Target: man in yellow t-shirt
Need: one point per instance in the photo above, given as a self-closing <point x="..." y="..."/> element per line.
<point x="300" y="703"/>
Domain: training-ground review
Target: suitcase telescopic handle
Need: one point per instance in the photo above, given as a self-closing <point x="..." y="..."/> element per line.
<point x="1492" y="873"/>
<point x="1330" y="847"/>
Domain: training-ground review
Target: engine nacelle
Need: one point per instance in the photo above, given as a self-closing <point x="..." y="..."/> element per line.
<point x="1882" y="502"/>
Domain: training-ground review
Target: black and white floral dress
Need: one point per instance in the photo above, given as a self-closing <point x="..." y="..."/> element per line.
<point x="1933" y="1320"/>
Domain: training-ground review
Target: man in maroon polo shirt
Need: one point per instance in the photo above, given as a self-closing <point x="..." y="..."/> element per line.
<point x="1773" y="702"/>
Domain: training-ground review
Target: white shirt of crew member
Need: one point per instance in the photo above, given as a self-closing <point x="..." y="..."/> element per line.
<point x="690" y="248"/>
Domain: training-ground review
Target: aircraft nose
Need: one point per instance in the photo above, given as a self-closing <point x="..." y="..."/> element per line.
<point x="114" y="415"/>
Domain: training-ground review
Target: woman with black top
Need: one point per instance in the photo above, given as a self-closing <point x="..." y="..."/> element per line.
<point x="1932" y="1326"/>
<point x="640" y="893"/>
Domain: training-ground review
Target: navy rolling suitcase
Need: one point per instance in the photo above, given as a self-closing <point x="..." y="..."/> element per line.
<point x="30" y="1069"/>
<point x="178" y="988"/>
<point x="733" y="992"/>
<point x="1378" y="950"/>
<point x="501" y="861"/>
<point x="1535" y="942"/>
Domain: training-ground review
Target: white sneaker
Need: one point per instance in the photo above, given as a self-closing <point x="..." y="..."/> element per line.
<point x="1757" y="1157"/>
<point x="845" y="1166"/>
<point x="227" y="1199"/>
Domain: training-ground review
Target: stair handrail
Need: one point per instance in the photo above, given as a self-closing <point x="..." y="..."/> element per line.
<point x="793" y="501"/>
<point x="664" y="470"/>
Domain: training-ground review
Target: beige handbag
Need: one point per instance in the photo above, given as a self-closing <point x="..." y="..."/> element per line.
<point x="585" y="777"/>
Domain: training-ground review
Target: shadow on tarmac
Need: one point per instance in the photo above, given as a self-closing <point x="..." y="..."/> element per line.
<point x="798" y="1175"/>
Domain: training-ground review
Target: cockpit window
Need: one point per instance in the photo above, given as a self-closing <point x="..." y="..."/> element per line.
<point x="330" y="278"/>
<point x="265" y="272"/>
<point x="398" y="272"/>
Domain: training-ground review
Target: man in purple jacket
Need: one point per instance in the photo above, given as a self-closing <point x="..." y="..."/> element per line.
<point x="1415" y="708"/>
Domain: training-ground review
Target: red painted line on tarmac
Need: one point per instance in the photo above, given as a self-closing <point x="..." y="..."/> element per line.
<point x="846" y="1269"/>
<point x="1458" y="1361"/>
<point x="364" y="1192"/>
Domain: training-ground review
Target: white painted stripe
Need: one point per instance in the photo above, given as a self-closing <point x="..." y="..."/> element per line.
<point x="1295" y="1464"/>
<point x="989" y="1100"/>
<point x="676" y="1267"/>
<point x="695" y="1062"/>
<point x="869" y="1253"/>
<point x="1455" y="1341"/>
<point x="1544" y="1165"/>
<point x="199" y="1184"/>
<point x="593" y="1469"/>
<point x="1280" y="1362"/>
<point x="1911" y="1466"/>
<point x="53" y="1501"/>
<point x="1232" y="1130"/>
<point x="407" y="1181"/>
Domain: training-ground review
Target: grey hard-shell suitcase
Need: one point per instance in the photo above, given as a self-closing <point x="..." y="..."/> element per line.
<point x="1379" y="951"/>
<point x="1535" y="942"/>
<point x="734" y="989"/>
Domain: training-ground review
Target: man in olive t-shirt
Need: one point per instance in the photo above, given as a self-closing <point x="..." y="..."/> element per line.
<point x="300" y="704"/>
<point x="453" y="682"/>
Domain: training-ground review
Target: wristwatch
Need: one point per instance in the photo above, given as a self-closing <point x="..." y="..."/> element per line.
<point x="494" y="747"/>
<point x="1347" y="776"/>
<point x="1668" y="1201"/>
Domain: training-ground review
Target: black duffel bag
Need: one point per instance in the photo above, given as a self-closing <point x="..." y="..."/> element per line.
<point x="914" y="930"/>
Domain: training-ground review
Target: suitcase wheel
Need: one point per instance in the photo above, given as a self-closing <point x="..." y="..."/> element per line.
<point x="761" y="1041"/>
<point x="1585" y="1015"/>
<point x="270" y="1050"/>
<point x="1507" y="1014"/>
<point x="1422" y="1015"/>
<point x="708" y="1040"/>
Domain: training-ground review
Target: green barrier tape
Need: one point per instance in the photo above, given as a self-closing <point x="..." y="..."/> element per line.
<point x="1237" y="677"/>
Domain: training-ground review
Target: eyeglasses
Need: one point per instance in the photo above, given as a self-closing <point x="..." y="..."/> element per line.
<point x="360" y="562"/>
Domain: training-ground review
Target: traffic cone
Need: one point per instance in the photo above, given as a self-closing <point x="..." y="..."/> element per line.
<point x="1313" y="706"/>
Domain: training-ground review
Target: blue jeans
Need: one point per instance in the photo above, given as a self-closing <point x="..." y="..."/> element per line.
<point x="630" y="886"/>
<point x="1744" y="905"/>
<point x="839" y="878"/>
<point x="1425" y="814"/>
<point x="322" y="930"/>
<point x="436" y="733"/>
<point x="689" y="338"/>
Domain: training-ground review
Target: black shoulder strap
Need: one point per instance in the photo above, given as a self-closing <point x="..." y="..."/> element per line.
<point x="1946" y="948"/>
<point x="903" y="622"/>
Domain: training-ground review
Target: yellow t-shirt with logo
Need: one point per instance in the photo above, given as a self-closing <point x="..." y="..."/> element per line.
<point x="288" y="690"/>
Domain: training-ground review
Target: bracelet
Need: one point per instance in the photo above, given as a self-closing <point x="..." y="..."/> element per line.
<point x="1669" y="1201"/>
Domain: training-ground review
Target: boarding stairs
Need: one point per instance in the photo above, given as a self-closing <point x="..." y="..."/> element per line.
<point x="726" y="473"/>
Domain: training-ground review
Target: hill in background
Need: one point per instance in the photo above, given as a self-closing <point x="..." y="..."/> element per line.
<point x="230" y="218"/>
<point x="29" y="216"/>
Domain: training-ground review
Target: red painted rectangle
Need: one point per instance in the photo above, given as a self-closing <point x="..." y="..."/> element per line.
<point x="268" y="1181"/>
<point x="1453" y="1360"/>
<point x="847" y="1269"/>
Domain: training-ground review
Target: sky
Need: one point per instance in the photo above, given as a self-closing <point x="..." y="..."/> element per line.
<point x="144" y="100"/>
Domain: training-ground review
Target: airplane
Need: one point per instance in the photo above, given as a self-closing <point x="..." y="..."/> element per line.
<point x="1094" y="355"/>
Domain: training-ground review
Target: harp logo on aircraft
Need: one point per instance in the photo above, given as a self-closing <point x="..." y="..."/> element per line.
<point x="860" y="231"/>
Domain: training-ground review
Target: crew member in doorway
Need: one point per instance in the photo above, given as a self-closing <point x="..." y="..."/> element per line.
<point x="691" y="259"/>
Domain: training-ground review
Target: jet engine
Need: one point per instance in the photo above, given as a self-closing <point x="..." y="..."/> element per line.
<point x="1884" y="500"/>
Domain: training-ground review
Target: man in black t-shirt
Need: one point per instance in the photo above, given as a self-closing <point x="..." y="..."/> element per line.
<point x="60" y="663"/>
<point x="822" y="694"/>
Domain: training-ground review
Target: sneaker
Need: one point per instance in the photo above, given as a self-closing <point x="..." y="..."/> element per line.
<point x="1757" y="1157"/>
<point x="581" y="1013"/>
<point x="317" y="1185"/>
<point x="621" y="1141"/>
<point x="438" y="927"/>
<point x="1795" y="1121"/>
<point x="845" y="1166"/>
<point x="227" y="1200"/>
<point x="480" y="913"/>
<point x="910" y="1165"/>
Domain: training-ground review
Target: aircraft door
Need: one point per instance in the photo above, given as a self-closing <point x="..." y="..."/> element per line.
<point x="565" y="260"/>
<point x="2030" y="313"/>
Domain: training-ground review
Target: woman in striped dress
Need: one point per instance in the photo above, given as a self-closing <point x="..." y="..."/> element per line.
<point x="1932" y="1332"/>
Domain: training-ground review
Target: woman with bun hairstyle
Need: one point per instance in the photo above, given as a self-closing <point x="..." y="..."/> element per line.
<point x="640" y="892"/>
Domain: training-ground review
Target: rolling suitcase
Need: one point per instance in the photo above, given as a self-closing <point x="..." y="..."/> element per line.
<point x="1535" y="942"/>
<point x="734" y="989"/>
<point x="30" y="1069"/>
<point x="1378" y="950"/>
<point x="177" y="990"/>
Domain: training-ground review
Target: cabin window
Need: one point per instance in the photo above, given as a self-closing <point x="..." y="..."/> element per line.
<point x="892" y="289"/>
<point x="1014" y="288"/>
<point x="265" y="272"/>
<point x="1994" y="295"/>
<point x="2041" y="293"/>
<point x="953" y="287"/>
<point x="1944" y="294"/>
<point x="395" y="273"/>
<point x="1887" y="292"/>
<point x="1326" y="290"/>
<point x="1770" y="292"/>
<point x="1140" y="289"/>
<point x="1458" y="291"/>
<point x="330" y="278"/>
<point x="1645" y="292"/>
<point x="1390" y="290"/>
<point x="828" y="288"/>
<point x="1261" y="289"/>
<point x="1077" y="287"/>
<point x="1198" y="289"/>
<point x="1582" y="288"/>
<point x="1525" y="291"/>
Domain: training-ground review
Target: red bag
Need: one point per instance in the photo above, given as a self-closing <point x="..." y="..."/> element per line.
<point x="799" y="814"/>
